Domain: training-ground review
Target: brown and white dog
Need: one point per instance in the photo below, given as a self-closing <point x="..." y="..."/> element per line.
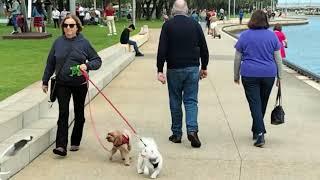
<point x="122" y="142"/>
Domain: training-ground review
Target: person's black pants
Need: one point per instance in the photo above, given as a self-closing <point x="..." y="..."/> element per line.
<point x="63" y="95"/>
<point x="257" y="90"/>
<point x="56" y="23"/>
<point x="81" y="19"/>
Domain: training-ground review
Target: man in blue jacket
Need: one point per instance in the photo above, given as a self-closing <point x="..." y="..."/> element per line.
<point x="182" y="44"/>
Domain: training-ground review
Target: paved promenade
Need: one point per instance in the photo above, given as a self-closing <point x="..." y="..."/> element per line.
<point x="292" y="150"/>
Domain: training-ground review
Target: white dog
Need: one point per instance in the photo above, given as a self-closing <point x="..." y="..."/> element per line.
<point x="149" y="159"/>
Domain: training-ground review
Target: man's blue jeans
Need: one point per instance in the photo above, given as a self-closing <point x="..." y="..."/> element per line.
<point x="14" y="22"/>
<point x="183" y="85"/>
<point x="134" y="44"/>
<point x="257" y="91"/>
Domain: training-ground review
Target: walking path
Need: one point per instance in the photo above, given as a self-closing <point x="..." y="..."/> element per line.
<point x="227" y="151"/>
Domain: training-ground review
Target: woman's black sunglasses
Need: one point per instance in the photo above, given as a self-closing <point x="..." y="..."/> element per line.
<point x="70" y="25"/>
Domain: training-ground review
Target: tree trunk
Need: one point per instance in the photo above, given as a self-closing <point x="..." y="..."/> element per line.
<point x="138" y="9"/>
<point x="159" y="8"/>
<point x="147" y="10"/>
<point x="24" y="13"/>
<point x="119" y="12"/>
<point x="49" y="14"/>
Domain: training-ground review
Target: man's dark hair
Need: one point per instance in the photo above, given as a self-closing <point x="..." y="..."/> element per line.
<point x="258" y="20"/>
<point x="277" y="27"/>
<point x="132" y="26"/>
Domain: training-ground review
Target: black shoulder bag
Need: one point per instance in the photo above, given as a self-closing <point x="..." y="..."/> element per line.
<point x="53" y="81"/>
<point x="277" y="114"/>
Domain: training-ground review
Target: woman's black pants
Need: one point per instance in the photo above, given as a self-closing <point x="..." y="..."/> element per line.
<point x="63" y="95"/>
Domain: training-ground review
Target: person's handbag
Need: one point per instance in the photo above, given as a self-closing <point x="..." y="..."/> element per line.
<point x="277" y="114"/>
<point x="53" y="94"/>
<point x="53" y="81"/>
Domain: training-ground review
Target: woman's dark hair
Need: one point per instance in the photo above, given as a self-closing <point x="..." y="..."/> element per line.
<point x="76" y="19"/>
<point x="39" y="7"/>
<point x="258" y="20"/>
<point x="277" y="27"/>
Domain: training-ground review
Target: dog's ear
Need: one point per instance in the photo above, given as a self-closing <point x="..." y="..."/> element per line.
<point x="110" y="136"/>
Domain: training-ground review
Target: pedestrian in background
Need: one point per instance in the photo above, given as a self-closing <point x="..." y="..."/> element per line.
<point x="241" y="13"/>
<point x="56" y="17"/>
<point x="282" y="38"/>
<point x="63" y="14"/>
<point x="258" y="62"/>
<point x="38" y="16"/>
<point x="181" y="44"/>
<point x="109" y="18"/>
<point x="125" y="39"/>
<point x="68" y="52"/>
<point x="15" y="12"/>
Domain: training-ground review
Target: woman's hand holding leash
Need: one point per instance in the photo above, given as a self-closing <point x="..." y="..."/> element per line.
<point x="83" y="67"/>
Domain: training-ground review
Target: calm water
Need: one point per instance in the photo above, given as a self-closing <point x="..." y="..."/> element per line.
<point x="304" y="45"/>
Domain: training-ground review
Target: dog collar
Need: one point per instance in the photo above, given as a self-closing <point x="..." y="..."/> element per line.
<point x="154" y="162"/>
<point x="155" y="165"/>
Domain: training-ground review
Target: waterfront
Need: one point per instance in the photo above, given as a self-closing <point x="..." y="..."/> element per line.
<point x="303" y="47"/>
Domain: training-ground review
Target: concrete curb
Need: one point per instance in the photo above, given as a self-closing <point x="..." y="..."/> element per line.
<point x="232" y="28"/>
<point x="27" y="112"/>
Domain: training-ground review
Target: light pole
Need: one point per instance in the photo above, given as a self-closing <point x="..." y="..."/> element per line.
<point x="134" y="12"/>
<point x="234" y="8"/>
<point x="72" y="4"/>
<point x="229" y="9"/>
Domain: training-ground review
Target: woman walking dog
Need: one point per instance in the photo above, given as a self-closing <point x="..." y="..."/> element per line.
<point x="69" y="52"/>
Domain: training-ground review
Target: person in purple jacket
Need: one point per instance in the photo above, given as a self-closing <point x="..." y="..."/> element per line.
<point x="258" y="62"/>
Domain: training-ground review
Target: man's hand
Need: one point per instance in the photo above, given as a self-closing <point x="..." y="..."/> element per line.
<point x="237" y="81"/>
<point x="161" y="77"/>
<point x="83" y="67"/>
<point x="203" y="74"/>
<point x="44" y="88"/>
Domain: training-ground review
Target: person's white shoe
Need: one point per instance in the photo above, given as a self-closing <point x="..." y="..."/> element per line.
<point x="109" y="34"/>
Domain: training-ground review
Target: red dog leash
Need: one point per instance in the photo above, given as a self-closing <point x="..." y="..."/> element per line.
<point x="94" y="126"/>
<point x="85" y="74"/>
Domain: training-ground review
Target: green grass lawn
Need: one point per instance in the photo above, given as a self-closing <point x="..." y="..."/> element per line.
<point x="22" y="61"/>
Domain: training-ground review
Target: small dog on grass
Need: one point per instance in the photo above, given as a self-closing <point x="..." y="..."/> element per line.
<point x="149" y="159"/>
<point x="122" y="142"/>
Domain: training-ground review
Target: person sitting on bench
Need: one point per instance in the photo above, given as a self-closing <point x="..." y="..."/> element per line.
<point x="124" y="39"/>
